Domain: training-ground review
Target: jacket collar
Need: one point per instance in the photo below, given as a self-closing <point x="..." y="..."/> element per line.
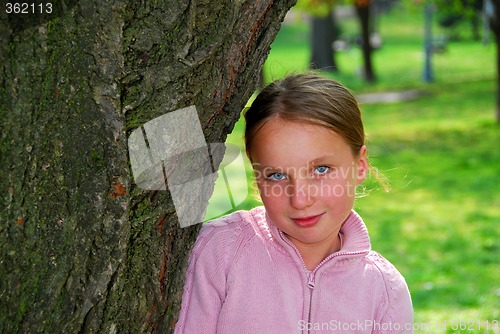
<point x="355" y="238"/>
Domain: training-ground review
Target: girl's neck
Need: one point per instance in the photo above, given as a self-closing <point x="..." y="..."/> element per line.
<point x="312" y="255"/>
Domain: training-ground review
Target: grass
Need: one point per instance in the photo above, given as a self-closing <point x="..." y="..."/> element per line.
<point x="439" y="223"/>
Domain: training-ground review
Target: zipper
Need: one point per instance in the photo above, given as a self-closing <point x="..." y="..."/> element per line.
<point x="311" y="274"/>
<point x="310" y="281"/>
<point x="310" y="284"/>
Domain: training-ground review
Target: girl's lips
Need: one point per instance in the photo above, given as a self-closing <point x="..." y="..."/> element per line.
<point x="309" y="221"/>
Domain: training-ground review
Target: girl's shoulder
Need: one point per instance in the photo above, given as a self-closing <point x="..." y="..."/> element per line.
<point x="382" y="265"/>
<point x="236" y="221"/>
<point x="398" y="305"/>
<point x="231" y="231"/>
<point x="392" y="280"/>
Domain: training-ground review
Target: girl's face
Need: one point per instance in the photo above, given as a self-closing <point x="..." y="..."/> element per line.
<point x="307" y="177"/>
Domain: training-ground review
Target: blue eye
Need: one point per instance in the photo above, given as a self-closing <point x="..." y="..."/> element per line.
<point x="320" y="170"/>
<point x="276" y="177"/>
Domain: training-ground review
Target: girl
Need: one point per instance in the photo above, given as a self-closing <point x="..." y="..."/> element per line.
<point x="302" y="263"/>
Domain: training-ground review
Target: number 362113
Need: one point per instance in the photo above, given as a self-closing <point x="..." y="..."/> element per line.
<point x="28" y="8"/>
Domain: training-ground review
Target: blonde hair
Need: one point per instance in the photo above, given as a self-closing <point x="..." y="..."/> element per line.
<point x="308" y="98"/>
<point x="313" y="99"/>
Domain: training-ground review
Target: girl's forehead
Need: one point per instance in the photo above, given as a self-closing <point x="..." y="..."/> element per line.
<point x="280" y="140"/>
<point x="290" y="128"/>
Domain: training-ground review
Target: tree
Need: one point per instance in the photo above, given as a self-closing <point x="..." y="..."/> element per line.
<point x="323" y="32"/>
<point x="450" y="15"/>
<point x="82" y="248"/>
<point x="494" y="19"/>
<point x="492" y="11"/>
<point x="363" y="12"/>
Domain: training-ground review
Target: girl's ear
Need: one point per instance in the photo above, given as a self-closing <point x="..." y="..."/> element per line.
<point x="363" y="166"/>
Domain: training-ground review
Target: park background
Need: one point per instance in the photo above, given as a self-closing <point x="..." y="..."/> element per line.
<point x="438" y="223"/>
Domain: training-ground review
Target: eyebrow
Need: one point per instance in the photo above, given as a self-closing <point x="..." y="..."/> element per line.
<point x="323" y="159"/>
<point x="261" y="166"/>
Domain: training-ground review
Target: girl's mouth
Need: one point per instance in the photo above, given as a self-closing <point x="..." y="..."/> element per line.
<point x="308" y="221"/>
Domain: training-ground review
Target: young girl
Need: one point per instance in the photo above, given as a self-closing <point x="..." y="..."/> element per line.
<point x="302" y="263"/>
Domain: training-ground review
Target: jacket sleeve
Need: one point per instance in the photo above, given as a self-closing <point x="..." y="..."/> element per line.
<point x="397" y="317"/>
<point x="205" y="285"/>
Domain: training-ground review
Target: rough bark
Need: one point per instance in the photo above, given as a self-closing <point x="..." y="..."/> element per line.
<point x="82" y="248"/>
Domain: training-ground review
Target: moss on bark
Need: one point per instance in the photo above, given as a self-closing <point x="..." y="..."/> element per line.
<point x="83" y="249"/>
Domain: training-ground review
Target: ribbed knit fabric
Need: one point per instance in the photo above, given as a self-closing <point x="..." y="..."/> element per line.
<point x="246" y="277"/>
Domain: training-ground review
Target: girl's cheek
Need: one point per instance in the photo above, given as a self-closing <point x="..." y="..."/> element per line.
<point x="272" y="190"/>
<point x="332" y="188"/>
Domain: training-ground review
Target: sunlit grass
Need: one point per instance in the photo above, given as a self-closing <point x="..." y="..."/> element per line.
<point x="439" y="222"/>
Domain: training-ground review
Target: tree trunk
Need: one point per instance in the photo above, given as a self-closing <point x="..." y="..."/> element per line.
<point x="83" y="249"/>
<point x="495" y="28"/>
<point x="363" y="12"/>
<point x="322" y="38"/>
<point x="497" y="42"/>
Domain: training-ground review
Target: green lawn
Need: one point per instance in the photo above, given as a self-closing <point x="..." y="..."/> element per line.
<point x="439" y="222"/>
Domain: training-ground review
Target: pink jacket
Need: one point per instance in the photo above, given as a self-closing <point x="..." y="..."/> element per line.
<point x="245" y="277"/>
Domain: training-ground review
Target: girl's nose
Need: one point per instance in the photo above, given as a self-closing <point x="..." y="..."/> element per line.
<point x="301" y="194"/>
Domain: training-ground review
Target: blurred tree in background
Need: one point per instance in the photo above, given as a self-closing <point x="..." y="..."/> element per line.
<point x="450" y="12"/>
<point x="363" y="12"/>
<point x="492" y="11"/>
<point x="324" y="33"/>
<point x="468" y="9"/>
